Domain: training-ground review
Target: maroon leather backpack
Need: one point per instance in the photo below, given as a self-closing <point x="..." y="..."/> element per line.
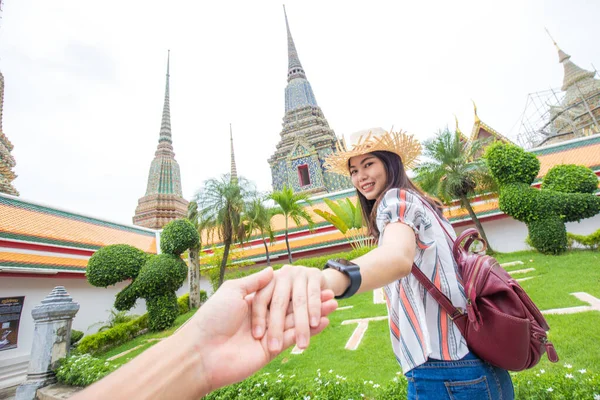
<point x="501" y="324"/>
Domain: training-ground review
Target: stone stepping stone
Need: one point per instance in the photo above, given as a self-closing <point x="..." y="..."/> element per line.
<point x="594" y="305"/>
<point x="360" y="330"/>
<point x="511" y="264"/>
<point x="521" y="271"/>
<point x="378" y="297"/>
<point x="524" y="279"/>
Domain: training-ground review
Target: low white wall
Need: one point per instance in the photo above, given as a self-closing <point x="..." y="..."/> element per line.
<point x="507" y="234"/>
<point x="95" y="305"/>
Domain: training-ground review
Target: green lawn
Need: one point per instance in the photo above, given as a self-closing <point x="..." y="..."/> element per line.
<point x="575" y="336"/>
<point x="144" y="340"/>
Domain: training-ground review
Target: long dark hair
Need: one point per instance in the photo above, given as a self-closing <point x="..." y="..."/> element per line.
<point x="396" y="179"/>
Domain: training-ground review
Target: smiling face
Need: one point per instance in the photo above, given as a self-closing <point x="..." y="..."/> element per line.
<point x="368" y="175"/>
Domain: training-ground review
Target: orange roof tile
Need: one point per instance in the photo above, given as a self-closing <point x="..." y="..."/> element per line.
<point x="22" y="220"/>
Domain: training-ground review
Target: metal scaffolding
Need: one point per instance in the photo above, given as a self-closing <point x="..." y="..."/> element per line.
<point x="546" y="116"/>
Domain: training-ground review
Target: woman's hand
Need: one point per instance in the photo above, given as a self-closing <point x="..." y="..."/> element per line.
<point x="300" y="285"/>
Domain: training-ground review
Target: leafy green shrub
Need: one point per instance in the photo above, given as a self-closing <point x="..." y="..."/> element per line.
<point x="591" y="241"/>
<point x="544" y="211"/>
<point x="203" y="296"/>
<point x="531" y="384"/>
<point x="178" y="236"/>
<point x="183" y="303"/>
<point x="114" y="318"/>
<point x="113" y="337"/>
<point x="75" y="336"/>
<point x="82" y="370"/>
<point x="114" y="263"/>
<point x="569" y="178"/>
<point x="325" y="385"/>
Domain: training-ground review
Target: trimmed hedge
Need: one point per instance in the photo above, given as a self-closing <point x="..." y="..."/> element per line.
<point x="178" y="236"/>
<point x="544" y="211"/>
<point x="114" y="263"/>
<point x="592" y="241"/>
<point x="570" y="178"/>
<point x="113" y="337"/>
<point x="117" y="335"/>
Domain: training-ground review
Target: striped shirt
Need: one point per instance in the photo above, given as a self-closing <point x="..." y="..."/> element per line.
<point x="419" y="327"/>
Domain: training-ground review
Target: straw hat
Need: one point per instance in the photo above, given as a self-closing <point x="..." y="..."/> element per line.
<point x="375" y="139"/>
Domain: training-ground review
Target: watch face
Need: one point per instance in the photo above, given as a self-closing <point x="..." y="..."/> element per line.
<point x="344" y="262"/>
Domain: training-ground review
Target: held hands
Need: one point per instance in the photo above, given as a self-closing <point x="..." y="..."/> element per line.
<point x="294" y="289"/>
<point x="223" y="325"/>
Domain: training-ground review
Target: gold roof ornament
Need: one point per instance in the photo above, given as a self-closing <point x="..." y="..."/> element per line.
<point x="477" y="120"/>
<point x="370" y="140"/>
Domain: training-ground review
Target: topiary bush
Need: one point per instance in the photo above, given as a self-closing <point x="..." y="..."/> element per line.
<point x="570" y="178"/>
<point x="155" y="278"/>
<point x="178" y="236"/>
<point x="114" y="263"/>
<point x="544" y="211"/>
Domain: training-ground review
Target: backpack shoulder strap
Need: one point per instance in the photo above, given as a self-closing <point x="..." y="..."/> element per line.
<point x="440" y="297"/>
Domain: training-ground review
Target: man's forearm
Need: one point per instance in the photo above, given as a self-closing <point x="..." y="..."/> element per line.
<point x="171" y="369"/>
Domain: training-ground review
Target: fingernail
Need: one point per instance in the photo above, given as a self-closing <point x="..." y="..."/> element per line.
<point x="302" y="342"/>
<point x="314" y="322"/>
<point x="258" y="331"/>
<point x="274" y="344"/>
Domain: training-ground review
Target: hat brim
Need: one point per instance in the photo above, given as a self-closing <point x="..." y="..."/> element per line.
<point x="400" y="143"/>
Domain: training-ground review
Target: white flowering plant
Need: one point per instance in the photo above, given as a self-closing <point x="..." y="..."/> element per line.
<point x="82" y="370"/>
<point x="566" y="382"/>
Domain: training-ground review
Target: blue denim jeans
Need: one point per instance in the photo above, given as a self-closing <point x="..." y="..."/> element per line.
<point x="469" y="378"/>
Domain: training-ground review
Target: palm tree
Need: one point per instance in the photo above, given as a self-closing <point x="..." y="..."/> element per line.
<point x="290" y="207"/>
<point x="221" y="203"/>
<point x="454" y="171"/>
<point x="258" y="218"/>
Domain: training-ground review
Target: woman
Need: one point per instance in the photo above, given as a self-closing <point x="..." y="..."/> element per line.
<point x="427" y="344"/>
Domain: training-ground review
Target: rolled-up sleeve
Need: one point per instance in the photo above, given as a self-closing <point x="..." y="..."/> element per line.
<point x="402" y="206"/>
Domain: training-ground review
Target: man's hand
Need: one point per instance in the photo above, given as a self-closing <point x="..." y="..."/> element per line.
<point x="222" y="329"/>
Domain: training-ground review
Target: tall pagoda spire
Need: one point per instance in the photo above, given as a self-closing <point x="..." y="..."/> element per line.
<point x="573" y="73"/>
<point x="295" y="69"/>
<point x="306" y="138"/>
<point x="163" y="200"/>
<point x="234" y="176"/>
<point x="7" y="161"/>
<point x="165" y="125"/>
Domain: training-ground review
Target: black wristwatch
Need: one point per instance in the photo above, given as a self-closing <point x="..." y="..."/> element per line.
<point x="351" y="270"/>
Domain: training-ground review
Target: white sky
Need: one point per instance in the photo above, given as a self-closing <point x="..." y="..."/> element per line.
<point x="85" y="80"/>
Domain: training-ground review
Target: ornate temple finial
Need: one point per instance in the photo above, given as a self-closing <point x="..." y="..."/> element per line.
<point x="165" y="125"/>
<point x="562" y="56"/>
<point x="295" y="69"/>
<point x="234" y="176"/>
<point x="477" y="120"/>
<point x="457" y="128"/>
